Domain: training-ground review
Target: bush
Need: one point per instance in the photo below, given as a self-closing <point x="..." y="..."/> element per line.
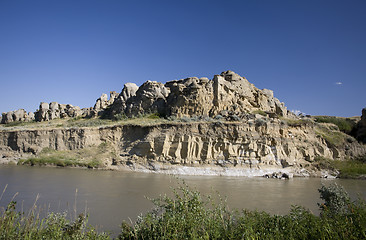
<point x="336" y="199"/>
<point x="333" y="138"/>
<point x="344" y="124"/>
<point x="189" y="216"/>
<point x="260" y="112"/>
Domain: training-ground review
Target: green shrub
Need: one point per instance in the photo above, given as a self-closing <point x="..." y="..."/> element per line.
<point x="260" y="112"/>
<point x="336" y="199"/>
<point x="332" y="137"/>
<point x="297" y="122"/>
<point x="119" y="117"/>
<point x="344" y="124"/>
<point x="187" y="215"/>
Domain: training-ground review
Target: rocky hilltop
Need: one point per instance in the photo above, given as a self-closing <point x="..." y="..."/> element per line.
<point x="227" y="94"/>
<point x="221" y="126"/>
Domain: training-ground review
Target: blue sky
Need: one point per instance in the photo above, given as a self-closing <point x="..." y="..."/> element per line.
<point x="73" y="51"/>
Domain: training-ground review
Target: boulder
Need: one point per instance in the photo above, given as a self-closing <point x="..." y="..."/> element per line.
<point x="150" y="97"/>
<point x="7" y="117"/>
<point x="20" y="115"/>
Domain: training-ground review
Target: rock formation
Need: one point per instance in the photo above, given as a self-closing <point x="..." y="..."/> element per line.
<point x="227" y="92"/>
<point x="248" y="130"/>
<point x="228" y="95"/>
<point x="55" y="110"/>
<point x="17" y="115"/>
<point x="259" y="147"/>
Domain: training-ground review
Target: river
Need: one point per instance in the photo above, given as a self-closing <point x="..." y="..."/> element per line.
<point x="112" y="196"/>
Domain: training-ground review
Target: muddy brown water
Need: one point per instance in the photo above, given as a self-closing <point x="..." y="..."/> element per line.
<point x="112" y="196"/>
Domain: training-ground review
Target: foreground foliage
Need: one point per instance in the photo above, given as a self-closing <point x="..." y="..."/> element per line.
<point x="16" y="225"/>
<point x="188" y="216"/>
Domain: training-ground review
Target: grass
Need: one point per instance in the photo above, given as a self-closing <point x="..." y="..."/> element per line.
<point x="91" y="157"/>
<point x="16" y="225"/>
<point x="344" y="124"/>
<point x="260" y="112"/>
<point x="296" y="122"/>
<point x="332" y="137"/>
<point x="18" y="123"/>
<point x="352" y="168"/>
<point x="20" y="225"/>
<point x="349" y="168"/>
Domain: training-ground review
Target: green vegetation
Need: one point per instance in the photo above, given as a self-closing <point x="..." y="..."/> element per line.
<point x="332" y="137"/>
<point x="344" y="124"/>
<point x="296" y="122"/>
<point x="18" y="124"/>
<point x="260" y="112"/>
<point x="188" y="215"/>
<point x="86" y="157"/>
<point x="86" y="122"/>
<point x="17" y="225"/>
<point x="352" y="168"/>
<point x="349" y="168"/>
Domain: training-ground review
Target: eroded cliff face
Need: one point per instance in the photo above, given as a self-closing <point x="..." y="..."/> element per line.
<point x="259" y="146"/>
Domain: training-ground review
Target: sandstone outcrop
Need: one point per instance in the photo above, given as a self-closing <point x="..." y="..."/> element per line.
<point x="228" y="95"/>
<point x="265" y="146"/>
<point x="17" y="115"/>
<point x="225" y="93"/>
<point x="103" y="102"/>
<point x="221" y="125"/>
<point x="55" y="110"/>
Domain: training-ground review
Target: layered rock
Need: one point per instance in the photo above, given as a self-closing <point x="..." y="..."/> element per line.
<point x="261" y="147"/>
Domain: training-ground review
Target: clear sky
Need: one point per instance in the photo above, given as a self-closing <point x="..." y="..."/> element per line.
<point x="311" y="53"/>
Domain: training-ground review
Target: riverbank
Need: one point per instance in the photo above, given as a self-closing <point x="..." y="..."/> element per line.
<point x="91" y="158"/>
<point x="158" y="168"/>
<point x="98" y="158"/>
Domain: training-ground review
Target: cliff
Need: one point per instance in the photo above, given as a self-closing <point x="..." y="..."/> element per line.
<point x="253" y="147"/>
<point x="221" y="126"/>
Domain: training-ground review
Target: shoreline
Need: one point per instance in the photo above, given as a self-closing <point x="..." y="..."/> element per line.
<point x="204" y="170"/>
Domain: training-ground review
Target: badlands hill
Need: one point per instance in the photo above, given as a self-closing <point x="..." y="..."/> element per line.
<point x="191" y="126"/>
